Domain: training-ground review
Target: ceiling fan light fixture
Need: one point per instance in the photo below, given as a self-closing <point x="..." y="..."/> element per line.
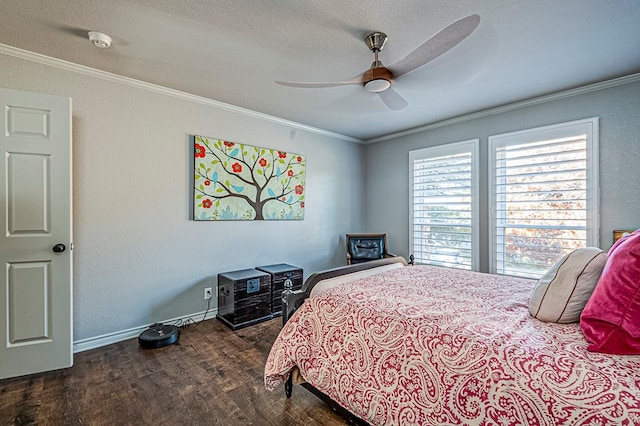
<point x="377" y="85"/>
<point x="99" y="39"/>
<point x="377" y="78"/>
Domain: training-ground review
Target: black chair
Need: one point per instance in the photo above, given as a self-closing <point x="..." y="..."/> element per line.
<point x="366" y="247"/>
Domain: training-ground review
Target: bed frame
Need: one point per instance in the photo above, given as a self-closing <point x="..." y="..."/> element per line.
<point x="292" y="300"/>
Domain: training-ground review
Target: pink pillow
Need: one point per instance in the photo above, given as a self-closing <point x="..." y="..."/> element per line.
<point x="621" y="240"/>
<point x="610" y="320"/>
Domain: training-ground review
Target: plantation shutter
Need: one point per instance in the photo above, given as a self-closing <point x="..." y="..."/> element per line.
<point x="443" y="210"/>
<point x="542" y="198"/>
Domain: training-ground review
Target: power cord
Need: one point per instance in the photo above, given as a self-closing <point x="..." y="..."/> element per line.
<point x="184" y="323"/>
<point x="206" y="311"/>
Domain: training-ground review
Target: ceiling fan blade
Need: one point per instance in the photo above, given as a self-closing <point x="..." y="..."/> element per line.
<point x="393" y="100"/>
<point x="440" y="43"/>
<point x="320" y="84"/>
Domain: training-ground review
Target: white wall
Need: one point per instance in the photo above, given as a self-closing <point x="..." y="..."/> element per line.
<point x="387" y="163"/>
<point x="138" y="258"/>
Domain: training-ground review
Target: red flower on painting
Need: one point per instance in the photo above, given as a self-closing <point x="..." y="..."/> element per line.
<point x="302" y="204"/>
<point x="206" y="203"/>
<point x="207" y="182"/>
<point x="283" y="198"/>
<point x="229" y="144"/>
<point x="262" y="162"/>
<point x="299" y="189"/>
<point x="236" y="167"/>
<point x="290" y="172"/>
<point x="299" y="159"/>
<point x="200" y="152"/>
<point x="282" y="154"/>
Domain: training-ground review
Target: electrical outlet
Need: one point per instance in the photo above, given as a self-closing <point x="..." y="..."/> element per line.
<point x="207" y="293"/>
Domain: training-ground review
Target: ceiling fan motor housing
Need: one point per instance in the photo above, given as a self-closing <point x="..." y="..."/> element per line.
<point x="377" y="78"/>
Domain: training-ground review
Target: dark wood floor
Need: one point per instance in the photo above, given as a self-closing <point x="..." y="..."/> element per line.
<point x="213" y="376"/>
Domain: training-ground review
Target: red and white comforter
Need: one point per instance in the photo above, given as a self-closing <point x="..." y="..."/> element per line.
<point x="429" y="345"/>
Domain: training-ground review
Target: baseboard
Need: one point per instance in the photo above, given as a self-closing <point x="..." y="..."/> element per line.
<point x="118" y="336"/>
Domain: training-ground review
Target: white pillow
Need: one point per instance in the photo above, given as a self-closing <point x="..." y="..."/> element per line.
<point x="562" y="292"/>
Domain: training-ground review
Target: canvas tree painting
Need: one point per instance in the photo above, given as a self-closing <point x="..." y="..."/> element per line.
<point x="235" y="181"/>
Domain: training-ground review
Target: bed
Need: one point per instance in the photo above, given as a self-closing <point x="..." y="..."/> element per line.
<point x="392" y="344"/>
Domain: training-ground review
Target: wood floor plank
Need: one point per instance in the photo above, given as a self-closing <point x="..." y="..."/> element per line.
<point x="212" y="376"/>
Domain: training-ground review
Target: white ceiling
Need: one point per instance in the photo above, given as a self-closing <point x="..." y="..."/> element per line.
<point x="234" y="51"/>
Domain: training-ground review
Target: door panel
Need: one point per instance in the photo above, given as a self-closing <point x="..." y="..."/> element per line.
<point x="29" y="305"/>
<point x="35" y="216"/>
<point x="28" y="174"/>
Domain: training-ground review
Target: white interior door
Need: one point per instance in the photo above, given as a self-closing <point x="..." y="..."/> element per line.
<point x="35" y="242"/>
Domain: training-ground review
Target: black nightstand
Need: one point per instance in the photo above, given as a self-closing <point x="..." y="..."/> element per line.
<point x="244" y="298"/>
<point x="280" y="273"/>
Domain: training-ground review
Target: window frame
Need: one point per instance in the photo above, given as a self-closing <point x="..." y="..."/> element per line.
<point x="471" y="146"/>
<point x="590" y="127"/>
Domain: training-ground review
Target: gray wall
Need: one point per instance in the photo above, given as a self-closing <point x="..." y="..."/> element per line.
<point x="138" y="258"/>
<point x="387" y="162"/>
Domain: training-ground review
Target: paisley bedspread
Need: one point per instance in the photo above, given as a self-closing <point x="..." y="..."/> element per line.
<point x="425" y="345"/>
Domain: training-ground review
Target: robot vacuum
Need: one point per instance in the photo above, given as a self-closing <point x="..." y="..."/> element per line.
<point x="159" y="335"/>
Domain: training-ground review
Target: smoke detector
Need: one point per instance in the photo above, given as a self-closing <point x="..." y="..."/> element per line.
<point x="99" y="39"/>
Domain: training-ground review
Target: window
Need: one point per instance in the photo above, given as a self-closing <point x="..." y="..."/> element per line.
<point x="544" y="195"/>
<point x="444" y="205"/>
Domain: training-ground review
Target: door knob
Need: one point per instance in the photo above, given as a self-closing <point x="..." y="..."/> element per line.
<point x="59" y="248"/>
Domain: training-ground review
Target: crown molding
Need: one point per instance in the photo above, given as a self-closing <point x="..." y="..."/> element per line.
<point x="139" y="84"/>
<point x="104" y="75"/>
<point x="632" y="78"/>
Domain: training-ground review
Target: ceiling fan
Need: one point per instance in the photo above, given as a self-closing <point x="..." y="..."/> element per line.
<point x="378" y="78"/>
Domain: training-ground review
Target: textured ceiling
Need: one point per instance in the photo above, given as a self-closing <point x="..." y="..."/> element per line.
<point x="234" y="51"/>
